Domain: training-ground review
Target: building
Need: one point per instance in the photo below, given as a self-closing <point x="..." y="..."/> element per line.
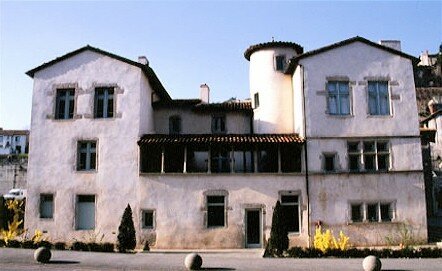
<point x="330" y="133"/>
<point x="13" y="141"/>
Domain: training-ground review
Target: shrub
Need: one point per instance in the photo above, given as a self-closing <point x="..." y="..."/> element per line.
<point x="2" y="243"/>
<point x="325" y="240"/>
<point x="60" y="246"/>
<point x="13" y="244"/>
<point x="107" y="247"/>
<point x="28" y="244"/>
<point x="80" y="246"/>
<point x="4" y="214"/>
<point x="44" y="244"/>
<point x="279" y="240"/>
<point x="126" y="231"/>
<point x="146" y="246"/>
<point x="94" y="247"/>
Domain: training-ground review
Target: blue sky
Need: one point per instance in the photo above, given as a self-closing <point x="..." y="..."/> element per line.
<point x="190" y="43"/>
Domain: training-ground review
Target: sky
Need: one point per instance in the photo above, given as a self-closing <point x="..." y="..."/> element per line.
<point x="189" y="43"/>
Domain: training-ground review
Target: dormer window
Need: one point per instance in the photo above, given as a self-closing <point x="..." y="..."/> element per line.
<point x="280" y="62"/>
<point x="218" y="124"/>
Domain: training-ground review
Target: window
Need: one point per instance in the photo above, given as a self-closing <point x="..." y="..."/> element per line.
<point x="378" y="98"/>
<point x="290" y="209"/>
<point x="148" y="221"/>
<point x="220" y="161"/>
<point x="356" y="212"/>
<point x="338" y="98"/>
<point x="256" y="99"/>
<point x="370" y="155"/>
<point x="173" y="159"/>
<point x="290" y="158"/>
<point x="280" y="62"/>
<point x="329" y="162"/>
<point x="87" y="155"/>
<point x="46" y="205"/>
<point x="218" y="124"/>
<point x="17" y="139"/>
<point x="174" y="125"/>
<point x="215" y="211"/>
<point x="64" y="104"/>
<point x="104" y="103"/>
<point x="85" y="212"/>
<point x="268" y="159"/>
<point x="372" y="212"/>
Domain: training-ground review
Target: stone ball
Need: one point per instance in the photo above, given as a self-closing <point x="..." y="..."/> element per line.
<point x="42" y="254"/>
<point x="371" y="263"/>
<point x="193" y="261"/>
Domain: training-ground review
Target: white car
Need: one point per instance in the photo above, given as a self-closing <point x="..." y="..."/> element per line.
<point x="15" y="193"/>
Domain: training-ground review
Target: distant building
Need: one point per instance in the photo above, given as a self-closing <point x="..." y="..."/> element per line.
<point x="428" y="71"/>
<point x="333" y="134"/>
<point x="13" y="173"/>
<point x="13" y="141"/>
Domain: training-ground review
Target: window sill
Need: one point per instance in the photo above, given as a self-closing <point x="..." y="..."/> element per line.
<point x="46" y="219"/>
<point x="389" y="116"/>
<point x="369" y="223"/>
<point x="221" y="174"/>
<point x="337" y="116"/>
<point x="86" y="171"/>
<point x="294" y="233"/>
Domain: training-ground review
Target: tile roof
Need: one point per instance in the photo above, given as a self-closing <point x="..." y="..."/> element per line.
<point x="273" y="44"/>
<point x="150" y="74"/>
<point x="233" y="139"/>
<point x="293" y="62"/>
<point x="14" y="132"/>
<point x="226" y="106"/>
<point x="176" y="103"/>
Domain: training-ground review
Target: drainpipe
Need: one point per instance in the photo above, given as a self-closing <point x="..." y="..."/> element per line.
<point x="307" y="188"/>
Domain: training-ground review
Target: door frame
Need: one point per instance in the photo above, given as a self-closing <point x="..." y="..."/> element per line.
<point x="259" y="245"/>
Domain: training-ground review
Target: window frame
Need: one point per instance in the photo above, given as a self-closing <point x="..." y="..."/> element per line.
<point x="143" y="220"/>
<point x="339" y="95"/>
<point x="77" y="201"/>
<point x="297" y="203"/>
<point x="221" y="127"/>
<point x="378" y="112"/>
<point x="256" y="100"/>
<point x="363" y="153"/>
<point x="106" y="98"/>
<point x="280" y="62"/>
<point x="175" y="119"/>
<point x="379" y="218"/>
<point x="41" y="202"/>
<point x="64" y="94"/>
<point x="89" y="151"/>
<point x="328" y="155"/>
<point x="208" y="205"/>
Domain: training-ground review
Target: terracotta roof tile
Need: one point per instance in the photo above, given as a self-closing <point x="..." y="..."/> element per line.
<point x="233" y="139"/>
<point x="226" y="106"/>
<point x="273" y="44"/>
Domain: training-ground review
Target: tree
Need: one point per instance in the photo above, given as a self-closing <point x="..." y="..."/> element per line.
<point x="126" y="231"/>
<point x="279" y="240"/>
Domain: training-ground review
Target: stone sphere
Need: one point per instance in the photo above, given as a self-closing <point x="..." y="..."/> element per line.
<point x="42" y="254"/>
<point x="371" y="263"/>
<point x="193" y="261"/>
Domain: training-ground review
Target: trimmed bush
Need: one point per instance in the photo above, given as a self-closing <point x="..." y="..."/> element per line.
<point x="60" y="246"/>
<point x="44" y="244"/>
<point x="14" y="244"/>
<point x="4" y="214"/>
<point x="79" y="246"/>
<point x="107" y="247"/>
<point x="126" y="232"/>
<point x="279" y="240"/>
<point x="94" y="247"/>
<point x="2" y="243"/>
<point x="28" y="244"/>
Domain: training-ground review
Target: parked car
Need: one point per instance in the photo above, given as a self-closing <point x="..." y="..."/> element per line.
<point x="15" y="193"/>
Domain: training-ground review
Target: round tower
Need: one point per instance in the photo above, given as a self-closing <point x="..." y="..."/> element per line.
<point x="270" y="87"/>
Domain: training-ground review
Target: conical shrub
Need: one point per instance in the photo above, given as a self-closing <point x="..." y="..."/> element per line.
<point x="126" y="232"/>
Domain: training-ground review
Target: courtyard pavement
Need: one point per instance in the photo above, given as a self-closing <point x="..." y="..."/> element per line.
<point x="22" y="259"/>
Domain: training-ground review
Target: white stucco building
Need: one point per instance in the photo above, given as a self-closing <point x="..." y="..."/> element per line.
<point x="332" y="133"/>
<point x="13" y="141"/>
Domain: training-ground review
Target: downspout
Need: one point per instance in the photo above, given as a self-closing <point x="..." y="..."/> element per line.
<point x="307" y="187"/>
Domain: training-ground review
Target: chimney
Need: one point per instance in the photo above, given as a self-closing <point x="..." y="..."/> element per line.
<point x="204" y="93"/>
<point x="393" y="44"/>
<point x="143" y="60"/>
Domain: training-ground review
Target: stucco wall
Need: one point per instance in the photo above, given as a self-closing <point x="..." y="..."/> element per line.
<point x="360" y="63"/>
<point x="53" y="145"/>
<point x="331" y="195"/>
<point x="275" y="111"/>
<point x="180" y="222"/>
<point x="198" y="122"/>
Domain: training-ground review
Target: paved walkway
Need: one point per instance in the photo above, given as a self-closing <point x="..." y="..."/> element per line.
<point x="22" y="259"/>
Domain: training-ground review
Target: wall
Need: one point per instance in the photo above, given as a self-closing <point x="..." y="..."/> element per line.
<point x="53" y="145"/>
<point x="180" y="222"/>
<point x="13" y="174"/>
<point x="331" y="195"/>
<point x="200" y="122"/>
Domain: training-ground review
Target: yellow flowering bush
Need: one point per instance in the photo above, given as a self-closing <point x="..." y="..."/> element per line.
<point x="325" y="240"/>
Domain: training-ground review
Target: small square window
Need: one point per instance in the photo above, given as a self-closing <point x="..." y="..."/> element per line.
<point x="280" y="62"/>
<point x="46" y="206"/>
<point x="174" y="125"/>
<point x="329" y="162"/>
<point x="148" y="217"/>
